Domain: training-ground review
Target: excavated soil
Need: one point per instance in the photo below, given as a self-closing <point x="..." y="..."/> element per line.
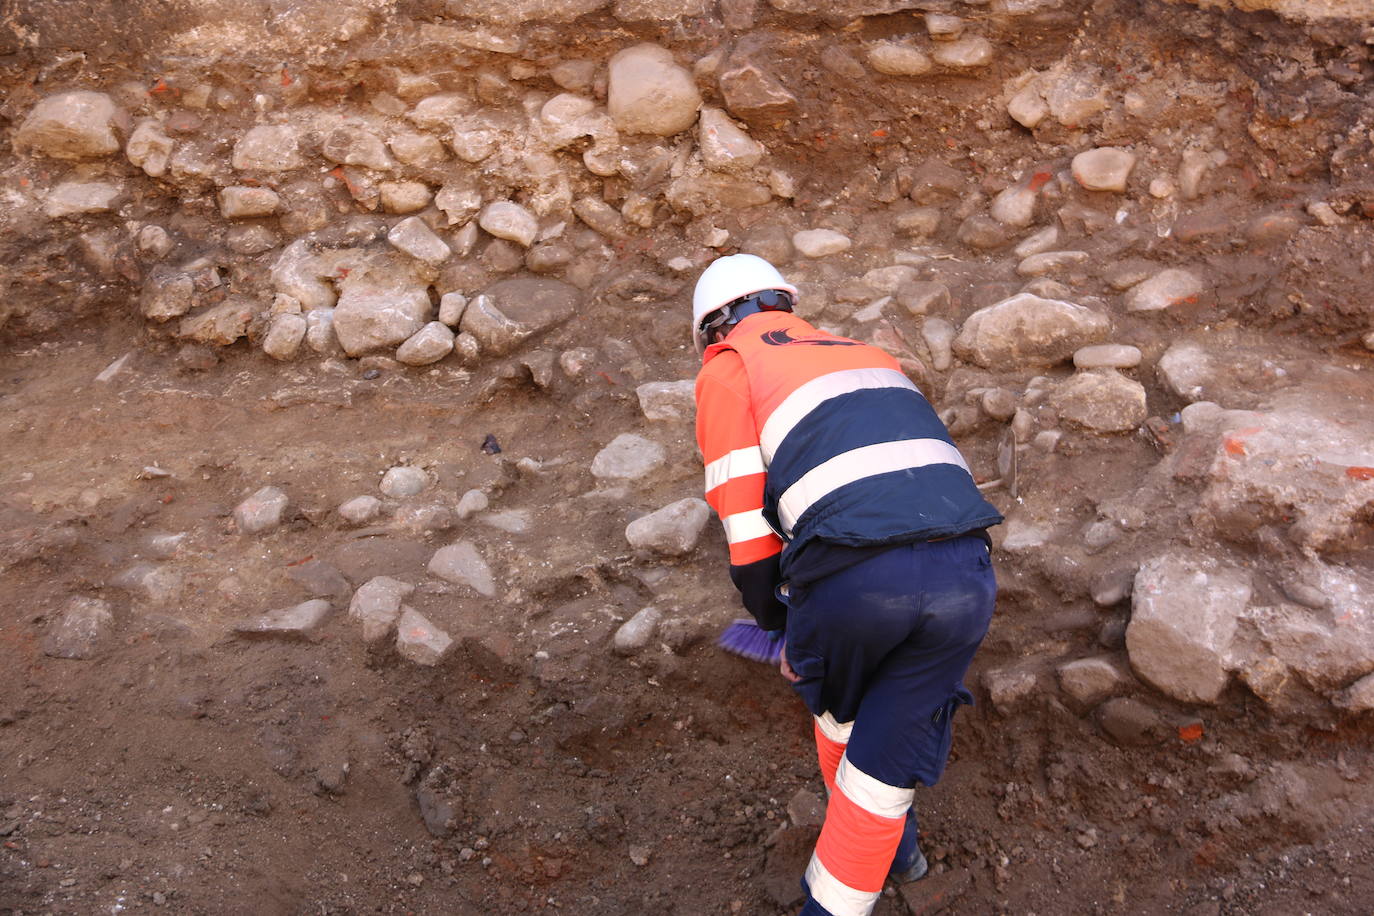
<point x="193" y="770"/>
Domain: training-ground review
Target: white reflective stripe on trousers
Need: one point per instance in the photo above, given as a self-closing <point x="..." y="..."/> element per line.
<point x="871" y="794"/>
<point x="815" y="392"/>
<point x="745" y="526"/>
<point x="740" y="463"/>
<point x="856" y="464"/>
<point x="838" y="898"/>
<point x="837" y="732"/>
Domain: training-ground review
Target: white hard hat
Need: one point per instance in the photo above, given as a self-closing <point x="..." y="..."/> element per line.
<point x="727" y="279"/>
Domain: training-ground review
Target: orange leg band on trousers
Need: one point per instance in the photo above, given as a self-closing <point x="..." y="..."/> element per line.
<point x="828" y="753"/>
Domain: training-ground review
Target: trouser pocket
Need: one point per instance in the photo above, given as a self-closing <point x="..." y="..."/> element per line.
<point x="939" y="736"/>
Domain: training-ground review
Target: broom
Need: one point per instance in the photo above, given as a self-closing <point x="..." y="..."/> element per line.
<point x="748" y="640"/>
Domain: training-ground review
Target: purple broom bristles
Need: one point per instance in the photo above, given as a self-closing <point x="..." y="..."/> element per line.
<point x="745" y="638"/>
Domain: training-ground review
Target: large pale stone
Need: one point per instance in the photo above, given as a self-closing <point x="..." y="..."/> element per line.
<point x="672" y="531"/>
<point x="428" y="345"/>
<point x="284" y="336"/>
<point x="898" y="58"/>
<point x="370" y="317"/>
<point x="963" y="54"/>
<point x="1184" y="613"/>
<point x="649" y="93"/>
<point x="221" y="324"/>
<point x="268" y="148"/>
<point x="628" y="457"/>
<point x="724" y="146"/>
<point x="75" y="198"/>
<point x="71" y="125"/>
<point x="262" y="511"/>
<point x="1091" y="680"/>
<point x="667" y="400"/>
<point x="635" y="633"/>
<point x="1026" y="331"/>
<point x="461" y="564"/>
<point x="1104" y="169"/>
<point x="820" y="243"/>
<point x="241" y="202"/>
<point x="755" y="96"/>
<point x="419" y="640"/>
<point x="79" y="630"/>
<point x="301" y="621"/>
<point x="416" y="239"/>
<point x="352" y="145"/>
<point x="376" y="605"/>
<point x="506" y="219"/>
<point x="149" y="148"/>
<point x="1107" y="356"/>
<point x="1187" y="370"/>
<point x="1166" y="288"/>
<point x="513" y="311"/>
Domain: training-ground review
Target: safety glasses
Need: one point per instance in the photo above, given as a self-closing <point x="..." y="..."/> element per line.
<point x="768" y="300"/>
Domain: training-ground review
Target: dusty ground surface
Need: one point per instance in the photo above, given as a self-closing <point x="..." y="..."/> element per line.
<point x="189" y="769"/>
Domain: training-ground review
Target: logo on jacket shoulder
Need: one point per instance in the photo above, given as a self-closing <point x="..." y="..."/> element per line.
<point x="780" y="338"/>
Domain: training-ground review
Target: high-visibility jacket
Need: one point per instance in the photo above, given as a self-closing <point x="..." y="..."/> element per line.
<point x="809" y="437"/>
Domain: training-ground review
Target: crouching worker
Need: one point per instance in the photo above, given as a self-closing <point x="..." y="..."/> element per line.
<point x="853" y="523"/>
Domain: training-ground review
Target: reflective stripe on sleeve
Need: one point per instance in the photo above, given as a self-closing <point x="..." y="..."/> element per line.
<point x="838" y="898"/>
<point x="856" y="464"/>
<point x="873" y="795"/>
<point x="809" y="396"/>
<point x="834" y="731"/>
<point x="745" y="526"/>
<point x="739" y="463"/>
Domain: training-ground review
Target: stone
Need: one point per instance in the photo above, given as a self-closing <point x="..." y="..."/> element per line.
<point x="938" y="335"/>
<point x="404" y="196"/>
<point x="262" y="511"/>
<point x="888" y="280"/>
<point x="377" y="604"/>
<point x="357" y="146"/>
<point x="1027" y="331"/>
<point x="374" y="317"/>
<point x="964" y="53"/>
<point x="1028" y="107"/>
<point x="672" y="531"/>
<point x="943" y="27"/>
<point x="1107" y="356"/>
<point x="1186" y="369"/>
<point x="451" y="307"/>
<point x="999" y="404"/>
<point x="649" y="93"/>
<point x="1009" y="688"/>
<point x="428" y="345"/>
<point x="513" y="311"/>
<point x="284" y="336"/>
<point x="1131" y="723"/>
<point x="298" y="272"/>
<point x="667" y="400"/>
<point x="820" y="243"/>
<point x="511" y="521"/>
<point x="240" y="202"/>
<point x="1037" y="242"/>
<point x="319" y="331"/>
<point x="502" y="257"/>
<point x="920" y="222"/>
<point x="549" y="257"/>
<point x="411" y="148"/>
<point x="419" y="640"/>
<point x="601" y="216"/>
<point x="1359" y="696"/>
<point x="708" y="192"/>
<point x="1101" y="401"/>
<point x="412" y="236"/>
<point x="635" y="633"/>
<point x="76" y="198"/>
<point x="508" y="220"/>
<point x="301" y="621"/>
<point x="155" y="241"/>
<point x="1165" y="289"/>
<point x="1184" y="614"/>
<point x="983" y="233"/>
<point x="1103" y="169"/>
<point x="1050" y="262"/>
<point x="1022" y="534"/>
<point x="458" y="204"/>
<point x="222" y="324"/>
<point x="71" y="125"/>
<point x="754" y="96"/>
<point x="424" y="519"/>
<point x="268" y="148"/>
<point x="157" y="585"/>
<point x="360" y="509"/>
<point x="724" y="146"/>
<point x="1076" y="97"/>
<point x="149" y="148"/>
<point x="1014" y="206"/>
<point x="472" y="502"/>
<point x="461" y="564"/>
<point x="898" y="58"/>
<point x="628" y="457"/>
<point x="80" y="629"/>
<point x="1089" y="681"/>
<point x="403" y="482"/>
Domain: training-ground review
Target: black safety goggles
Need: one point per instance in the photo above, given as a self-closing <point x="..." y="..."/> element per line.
<point x="768" y="300"/>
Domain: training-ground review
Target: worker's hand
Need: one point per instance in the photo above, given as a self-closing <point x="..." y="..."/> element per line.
<point x="785" y="668"/>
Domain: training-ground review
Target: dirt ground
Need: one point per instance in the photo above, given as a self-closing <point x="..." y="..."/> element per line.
<point x="192" y="770"/>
